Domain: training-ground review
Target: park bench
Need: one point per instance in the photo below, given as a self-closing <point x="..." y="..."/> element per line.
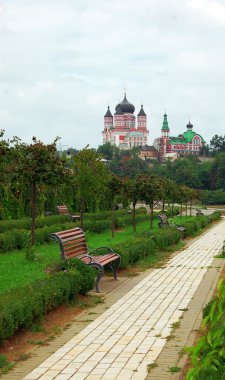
<point x="73" y="245"/>
<point x="199" y="212"/>
<point x="165" y="223"/>
<point x="63" y="210"/>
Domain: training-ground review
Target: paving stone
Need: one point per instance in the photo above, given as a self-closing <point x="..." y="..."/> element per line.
<point x="131" y="334"/>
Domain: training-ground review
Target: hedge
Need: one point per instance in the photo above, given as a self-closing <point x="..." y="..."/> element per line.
<point x="199" y="222"/>
<point x="20" y="307"/>
<point x="18" y="238"/>
<point x="25" y="223"/>
<point x="134" y="249"/>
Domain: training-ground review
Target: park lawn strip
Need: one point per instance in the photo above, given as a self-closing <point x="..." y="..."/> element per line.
<point x="16" y="271"/>
<point x="65" y="280"/>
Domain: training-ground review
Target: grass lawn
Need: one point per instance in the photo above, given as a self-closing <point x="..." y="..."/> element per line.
<point x="16" y="271"/>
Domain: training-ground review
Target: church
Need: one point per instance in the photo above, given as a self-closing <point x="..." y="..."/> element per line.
<point x="184" y="144"/>
<point x="127" y="131"/>
<point x="122" y="129"/>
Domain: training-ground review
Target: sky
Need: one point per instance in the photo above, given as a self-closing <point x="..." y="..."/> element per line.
<point x="62" y="62"/>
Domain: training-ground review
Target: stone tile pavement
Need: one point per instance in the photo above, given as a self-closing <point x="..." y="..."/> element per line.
<point x="129" y="336"/>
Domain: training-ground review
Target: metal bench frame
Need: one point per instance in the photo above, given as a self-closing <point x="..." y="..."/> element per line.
<point x="165" y="223"/>
<point x="72" y="244"/>
<point x="199" y="212"/>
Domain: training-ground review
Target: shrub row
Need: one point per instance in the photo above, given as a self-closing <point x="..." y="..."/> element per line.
<point x="134" y="249"/>
<point x="199" y="222"/>
<point x="25" y="223"/>
<point x="18" y="310"/>
<point x="147" y="243"/>
<point x="18" y="238"/>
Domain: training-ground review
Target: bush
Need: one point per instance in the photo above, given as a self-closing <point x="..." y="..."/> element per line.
<point x="208" y="354"/>
<point x="18" y="310"/>
<point x="25" y="223"/>
<point x="134" y="249"/>
<point x="165" y="237"/>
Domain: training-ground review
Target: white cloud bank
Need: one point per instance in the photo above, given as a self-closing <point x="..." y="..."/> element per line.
<point x="63" y="62"/>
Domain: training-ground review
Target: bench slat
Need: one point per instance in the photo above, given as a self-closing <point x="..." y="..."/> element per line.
<point x="73" y="244"/>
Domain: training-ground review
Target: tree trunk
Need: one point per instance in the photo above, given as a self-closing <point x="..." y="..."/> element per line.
<point x="134" y="216"/>
<point x="163" y="205"/>
<point x="151" y="216"/>
<point x="191" y="207"/>
<point x="172" y="209"/>
<point x="113" y="218"/>
<point x="34" y="195"/>
<point x="181" y="210"/>
<point x="186" y="208"/>
<point x="82" y="214"/>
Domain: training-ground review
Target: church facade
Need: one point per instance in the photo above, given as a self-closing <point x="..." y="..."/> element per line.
<point x="186" y="143"/>
<point x="124" y="129"/>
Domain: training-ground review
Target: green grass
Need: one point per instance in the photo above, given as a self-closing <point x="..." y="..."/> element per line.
<point x="16" y="271"/>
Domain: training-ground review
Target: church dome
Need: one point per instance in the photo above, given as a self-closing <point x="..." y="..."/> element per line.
<point x="118" y="110"/>
<point x="108" y="113"/>
<point x="125" y="106"/>
<point x="142" y="112"/>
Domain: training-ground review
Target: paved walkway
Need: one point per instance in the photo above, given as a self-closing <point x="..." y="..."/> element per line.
<point x="129" y="336"/>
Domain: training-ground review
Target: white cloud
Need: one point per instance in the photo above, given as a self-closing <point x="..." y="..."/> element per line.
<point x="64" y="62"/>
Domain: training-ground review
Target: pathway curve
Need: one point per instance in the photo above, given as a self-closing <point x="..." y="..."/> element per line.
<point x="128" y="337"/>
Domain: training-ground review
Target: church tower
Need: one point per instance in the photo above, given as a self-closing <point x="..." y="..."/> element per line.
<point x="108" y="126"/>
<point x="165" y="136"/>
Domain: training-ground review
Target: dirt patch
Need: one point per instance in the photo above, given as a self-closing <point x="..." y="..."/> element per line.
<point x="21" y="345"/>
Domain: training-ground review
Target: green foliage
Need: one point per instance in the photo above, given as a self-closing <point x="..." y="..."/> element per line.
<point x="3" y="361"/>
<point x="136" y="248"/>
<point x="17" y="310"/>
<point x="216" y="197"/>
<point x="90" y="179"/>
<point x="217" y="144"/>
<point x="166" y="237"/>
<point x="208" y="355"/>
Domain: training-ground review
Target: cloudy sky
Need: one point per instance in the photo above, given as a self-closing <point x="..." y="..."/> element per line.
<point x="63" y="61"/>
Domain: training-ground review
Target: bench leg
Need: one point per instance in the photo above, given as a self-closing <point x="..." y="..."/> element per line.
<point x="99" y="276"/>
<point x="114" y="267"/>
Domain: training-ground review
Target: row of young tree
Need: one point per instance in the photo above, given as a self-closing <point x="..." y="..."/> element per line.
<point x="34" y="179"/>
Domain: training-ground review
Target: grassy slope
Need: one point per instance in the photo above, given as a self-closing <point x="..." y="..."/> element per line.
<point x="15" y="270"/>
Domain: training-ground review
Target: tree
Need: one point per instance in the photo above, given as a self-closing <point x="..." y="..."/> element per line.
<point x="151" y="189"/>
<point x="132" y="191"/>
<point x="90" y="177"/>
<point x="217" y="144"/>
<point x="217" y="173"/>
<point x="107" y="150"/>
<point x="35" y="165"/>
<point x="114" y="189"/>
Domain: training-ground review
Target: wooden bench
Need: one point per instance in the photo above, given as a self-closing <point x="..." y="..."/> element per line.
<point x="63" y="210"/>
<point x="73" y="244"/>
<point x="199" y="212"/>
<point x="165" y="223"/>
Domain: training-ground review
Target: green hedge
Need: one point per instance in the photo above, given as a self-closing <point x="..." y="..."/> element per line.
<point x="199" y="222"/>
<point x="21" y="307"/>
<point x="25" y="223"/>
<point x="134" y="249"/>
<point x="18" y="238"/>
<point x="166" y="237"/>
